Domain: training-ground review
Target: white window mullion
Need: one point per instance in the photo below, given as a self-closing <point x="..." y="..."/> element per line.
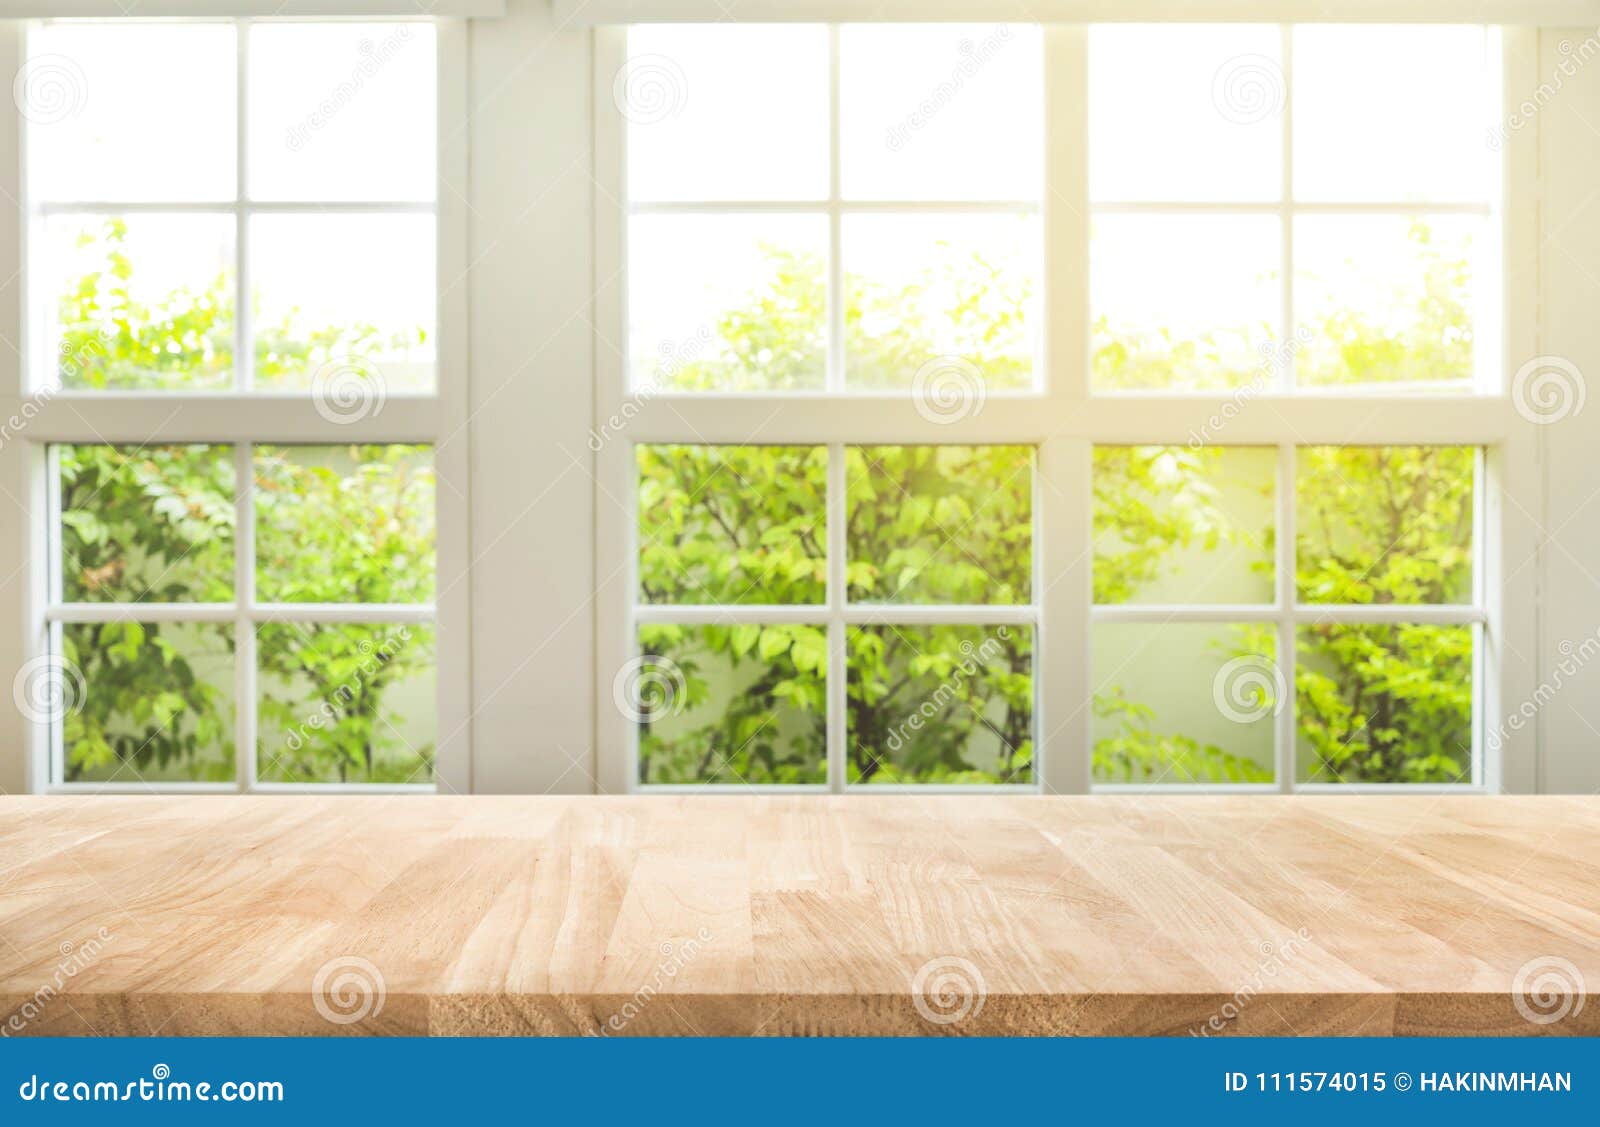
<point x="244" y="639"/>
<point x="837" y="685"/>
<point x="1284" y="719"/>
<point x="1288" y="330"/>
<point x="244" y="539"/>
<point x="243" y="330"/>
<point x="835" y="377"/>
<point x="1063" y="489"/>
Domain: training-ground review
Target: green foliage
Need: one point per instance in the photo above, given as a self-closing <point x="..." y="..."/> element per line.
<point x="344" y="525"/>
<point x="1139" y="752"/>
<point x="1150" y="501"/>
<point x="939" y="524"/>
<point x="930" y="524"/>
<point x="776" y="339"/>
<point x="328" y="712"/>
<point x="1433" y="342"/>
<point x="155" y="696"/>
<point x="156" y="524"/>
<point x="940" y="704"/>
<point x="762" y="689"/>
<point x="1386" y="703"/>
<point x="111" y="340"/>
<point x="747" y="525"/>
<point x="754" y="533"/>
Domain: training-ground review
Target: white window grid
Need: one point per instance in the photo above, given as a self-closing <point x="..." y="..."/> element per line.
<point x="246" y="417"/>
<point x="1287" y="208"/>
<point x="1065" y="420"/>
<point x="839" y="614"/>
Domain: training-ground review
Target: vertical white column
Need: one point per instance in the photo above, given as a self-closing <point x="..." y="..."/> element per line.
<point x="24" y="745"/>
<point x="1063" y="510"/>
<point x="1513" y="510"/>
<point x="453" y="451"/>
<point x="616" y="524"/>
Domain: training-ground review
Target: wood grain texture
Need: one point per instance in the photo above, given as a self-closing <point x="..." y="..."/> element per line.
<point x="799" y="915"/>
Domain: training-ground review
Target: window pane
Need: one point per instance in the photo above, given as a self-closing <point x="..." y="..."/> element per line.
<point x="733" y="524"/>
<point x="346" y="704"/>
<point x="1186" y="113"/>
<point x="130" y="112"/>
<point x="146" y="524"/>
<point x="726" y="112"/>
<point x="1413" y="128"/>
<point x="1185" y="702"/>
<point x="344" y="524"/>
<point x="342" y="111"/>
<point x="1184" y="302"/>
<point x="1385" y="300"/>
<point x="1385" y="524"/>
<point x="940" y="524"/>
<point x="1178" y="524"/>
<point x="149" y="702"/>
<point x="733" y="705"/>
<point x="941" y="704"/>
<point x="941" y="111"/>
<point x="139" y="303"/>
<point x="345" y="306"/>
<point x="1384" y="704"/>
<point x="928" y="295"/>
<point x="727" y="302"/>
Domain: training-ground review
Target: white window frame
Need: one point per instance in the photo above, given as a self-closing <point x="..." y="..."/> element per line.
<point x="243" y="418"/>
<point x="1064" y="420"/>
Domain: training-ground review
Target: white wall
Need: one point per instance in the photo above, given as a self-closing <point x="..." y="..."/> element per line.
<point x="1569" y="280"/>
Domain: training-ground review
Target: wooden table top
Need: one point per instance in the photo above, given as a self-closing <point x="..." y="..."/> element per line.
<point x="799" y="915"/>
